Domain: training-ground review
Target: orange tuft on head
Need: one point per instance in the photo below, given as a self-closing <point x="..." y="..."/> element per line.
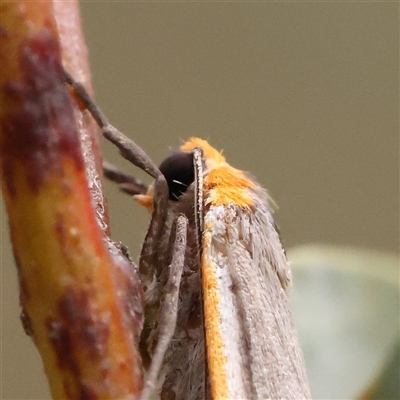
<point x="223" y="183"/>
<point x="212" y="156"/>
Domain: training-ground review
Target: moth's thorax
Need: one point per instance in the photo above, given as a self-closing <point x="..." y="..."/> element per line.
<point x="223" y="184"/>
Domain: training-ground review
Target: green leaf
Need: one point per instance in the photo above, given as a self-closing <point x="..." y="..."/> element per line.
<point x="346" y="308"/>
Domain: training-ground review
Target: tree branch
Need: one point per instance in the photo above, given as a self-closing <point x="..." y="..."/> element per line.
<point x="81" y="300"/>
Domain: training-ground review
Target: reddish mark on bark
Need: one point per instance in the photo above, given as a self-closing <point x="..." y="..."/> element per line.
<point x="76" y="333"/>
<point x="40" y="130"/>
<point x="86" y="393"/>
<point x="67" y="389"/>
<point x="77" y="328"/>
<point x="3" y="32"/>
<point x="62" y="343"/>
<point x="89" y="330"/>
<point x="60" y="229"/>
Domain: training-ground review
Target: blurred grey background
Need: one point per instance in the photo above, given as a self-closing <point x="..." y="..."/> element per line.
<point x="302" y="94"/>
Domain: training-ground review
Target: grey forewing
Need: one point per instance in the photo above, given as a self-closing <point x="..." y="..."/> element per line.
<point x="246" y="242"/>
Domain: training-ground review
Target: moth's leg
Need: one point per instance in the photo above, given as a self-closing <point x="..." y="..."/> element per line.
<point x="127" y="147"/>
<point x="133" y="153"/>
<point x="169" y="303"/>
<point x="126" y="183"/>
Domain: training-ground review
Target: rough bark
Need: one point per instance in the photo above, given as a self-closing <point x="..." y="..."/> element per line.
<point x="80" y="297"/>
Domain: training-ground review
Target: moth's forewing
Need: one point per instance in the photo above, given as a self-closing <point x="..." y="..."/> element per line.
<point x="252" y="345"/>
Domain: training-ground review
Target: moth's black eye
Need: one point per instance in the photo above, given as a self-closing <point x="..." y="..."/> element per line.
<point x="178" y="170"/>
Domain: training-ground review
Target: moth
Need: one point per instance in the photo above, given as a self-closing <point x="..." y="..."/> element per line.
<point x="218" y="322"/>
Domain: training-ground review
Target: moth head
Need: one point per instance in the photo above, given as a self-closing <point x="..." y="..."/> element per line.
<point x="178" y="170"/>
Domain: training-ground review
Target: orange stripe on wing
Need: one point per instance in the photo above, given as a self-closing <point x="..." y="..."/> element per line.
<point x="216" y="357"/>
